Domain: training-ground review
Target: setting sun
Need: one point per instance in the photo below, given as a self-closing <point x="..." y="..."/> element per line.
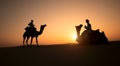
<point x="74" y="36"/>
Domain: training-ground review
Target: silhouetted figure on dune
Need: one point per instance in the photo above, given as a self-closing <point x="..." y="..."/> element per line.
<point x="32" y="32"/>
<point x="90" y="36"/>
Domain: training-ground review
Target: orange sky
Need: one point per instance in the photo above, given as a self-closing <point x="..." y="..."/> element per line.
<point x="61" y="17"/>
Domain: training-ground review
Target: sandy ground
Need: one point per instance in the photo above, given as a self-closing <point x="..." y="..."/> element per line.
<point x="62" y="55"/>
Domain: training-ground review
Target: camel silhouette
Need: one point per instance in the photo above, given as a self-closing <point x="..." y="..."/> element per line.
<point x="28" y="33"/>
<point x="89" y="36"/>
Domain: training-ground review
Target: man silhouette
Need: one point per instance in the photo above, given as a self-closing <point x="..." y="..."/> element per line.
<point x="30" y="27"/>
<point x="88" y="27"/>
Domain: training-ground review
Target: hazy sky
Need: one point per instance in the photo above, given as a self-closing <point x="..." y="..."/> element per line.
<point x="61" y="17"/>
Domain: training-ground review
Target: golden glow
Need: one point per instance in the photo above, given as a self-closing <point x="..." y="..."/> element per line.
<point x="61" y="17"/>
<point x="74" y="36"/>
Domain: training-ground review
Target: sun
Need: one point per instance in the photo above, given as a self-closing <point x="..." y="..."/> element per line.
<point x="74" y="36"/>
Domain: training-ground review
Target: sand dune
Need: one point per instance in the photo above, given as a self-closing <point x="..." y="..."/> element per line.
<point x="62" y="55"/>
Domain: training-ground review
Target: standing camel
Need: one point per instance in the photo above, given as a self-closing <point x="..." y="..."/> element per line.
<point x="27" y="34"/>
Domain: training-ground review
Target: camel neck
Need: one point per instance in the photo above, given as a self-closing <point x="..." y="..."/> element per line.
<point x="78" y="29"/>
<point x="41" y="30"/>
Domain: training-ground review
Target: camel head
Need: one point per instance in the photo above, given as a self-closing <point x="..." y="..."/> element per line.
<point x="42" y="28"/>
<point x="78" y="28"/>
<point x="43" y="25"/>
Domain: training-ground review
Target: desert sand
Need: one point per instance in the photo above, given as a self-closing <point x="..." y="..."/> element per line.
<point x="61" y="55"/>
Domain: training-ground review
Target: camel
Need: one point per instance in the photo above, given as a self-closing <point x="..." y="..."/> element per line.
<point x="35" y="33"/>
<point x="90" y="36"/>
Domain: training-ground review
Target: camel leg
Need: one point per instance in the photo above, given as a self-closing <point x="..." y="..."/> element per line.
<point x="27" y="40"/>
<point x="36" y="41"/>
<point x="24" y="37"/>
<point x="24" y="40"/>
<point x="31" y="41"/>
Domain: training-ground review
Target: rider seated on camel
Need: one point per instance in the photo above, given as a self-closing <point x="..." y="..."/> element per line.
<point x="30" y="26"/>
<point x="88" y="27"/>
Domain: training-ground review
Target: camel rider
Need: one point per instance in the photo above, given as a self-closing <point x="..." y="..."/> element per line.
<point x="88" y="27"/>
<point x="30" y="26"/>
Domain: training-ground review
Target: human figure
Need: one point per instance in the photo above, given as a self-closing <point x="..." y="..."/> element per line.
<point x="31" y="24"/>
<point x="88" y="27"/>
<point x="30" y="27"/>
